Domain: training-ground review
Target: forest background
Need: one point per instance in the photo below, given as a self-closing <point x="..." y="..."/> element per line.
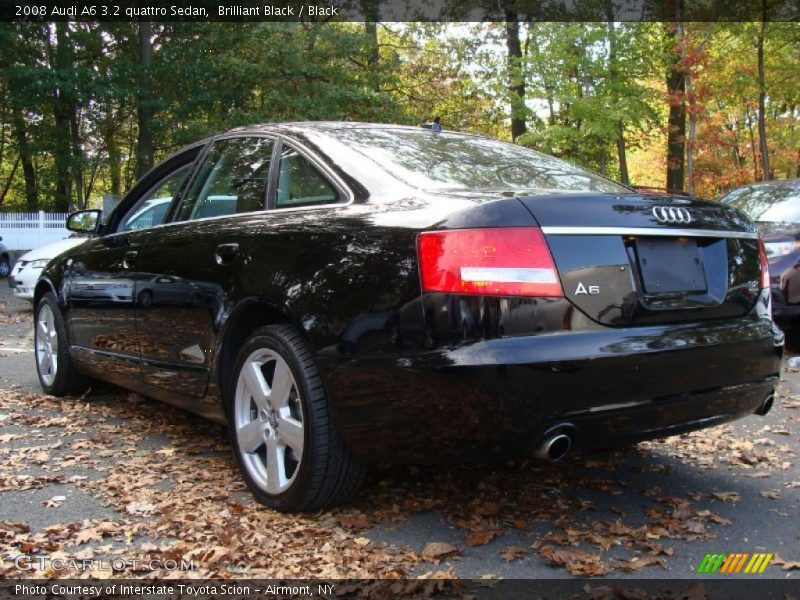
<point x="86" y="108"/>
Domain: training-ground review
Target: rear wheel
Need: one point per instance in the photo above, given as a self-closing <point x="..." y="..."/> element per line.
<point x="5" y="266"/>
<point x="57" y="375"/>
<point x="286" y="444"/>
<point x="145" y="298"/>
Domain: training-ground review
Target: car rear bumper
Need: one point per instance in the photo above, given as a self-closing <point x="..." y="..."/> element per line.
<point x="782" y="311"/>
<point x="499" y="397"/>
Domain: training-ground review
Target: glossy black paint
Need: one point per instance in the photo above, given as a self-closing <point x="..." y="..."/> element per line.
<point x="414" y="376"/>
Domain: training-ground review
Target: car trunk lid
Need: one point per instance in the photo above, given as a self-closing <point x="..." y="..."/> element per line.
<point x="635" y="259"/>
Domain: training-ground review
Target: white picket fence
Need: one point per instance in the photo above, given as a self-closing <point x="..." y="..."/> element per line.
<point x="26" y="231"/>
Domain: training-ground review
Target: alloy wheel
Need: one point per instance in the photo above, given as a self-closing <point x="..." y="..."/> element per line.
<point x="268" y="421"/>
<point x="46" y="345"/>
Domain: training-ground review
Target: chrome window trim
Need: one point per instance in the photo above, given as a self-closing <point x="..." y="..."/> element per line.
<point x="236" y="215"/>
<point x="649" y="231"/>
<point x="313" y="157"/>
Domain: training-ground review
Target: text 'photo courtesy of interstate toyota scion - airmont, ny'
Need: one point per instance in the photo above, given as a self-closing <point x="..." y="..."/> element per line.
<point x="343" y="294"/>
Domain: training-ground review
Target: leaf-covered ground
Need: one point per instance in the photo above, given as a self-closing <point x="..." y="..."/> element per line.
<point x="117" y="476"/>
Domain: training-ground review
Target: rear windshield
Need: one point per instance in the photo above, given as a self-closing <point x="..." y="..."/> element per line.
<point x="778" y="203"/>
<point x="447" y="161"/>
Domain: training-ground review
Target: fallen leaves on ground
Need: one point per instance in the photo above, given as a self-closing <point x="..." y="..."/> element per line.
<point x="576" y="562"/>
<point x="513" y="553"/>
<point x="436" y="551"/>
<point x="786" y="565"/>
<point x="173" y="492"/>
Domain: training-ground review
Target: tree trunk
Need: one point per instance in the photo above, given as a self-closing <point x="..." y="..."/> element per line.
<point x="516" y="76"/>
<point x="797" y="172"/>
<point x="749" y="119"/>
<point x="77" y="157"/>
<point x="676" y="132"/>
<point x="144" y="144"/>
<point x="537" y="63"/>
<point x="112" y="147"/>
<point x="371" y="16"/>
<point x="621" y="155"/>
<point x="692" y="108"/>
<point x="613" y="72"/>
<point x="762" y="95"/>
<point x="61" y="62"/>
<point x="26" y="157"/>
<point x="10" y="179"/>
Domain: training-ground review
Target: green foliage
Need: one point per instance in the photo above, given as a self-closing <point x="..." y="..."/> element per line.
<point x="77" y="93"/>
<point x="71" y="95"/>
<point x="587" y="77"/>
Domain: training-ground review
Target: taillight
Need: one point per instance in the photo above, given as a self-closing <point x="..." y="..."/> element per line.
<point x="762" y="255"/>
<point x="502" y="262"/>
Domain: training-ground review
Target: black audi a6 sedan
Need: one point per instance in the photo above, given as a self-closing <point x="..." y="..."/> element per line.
<point x="775" y="208"/>
<point x="342" y="294"/>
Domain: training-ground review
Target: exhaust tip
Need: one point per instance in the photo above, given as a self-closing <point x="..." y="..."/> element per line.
<point x="554" y="447"/>
<point x="766" y="406"/>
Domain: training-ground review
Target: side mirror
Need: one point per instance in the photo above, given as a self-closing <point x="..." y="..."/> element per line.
<point x="84" y="221"/>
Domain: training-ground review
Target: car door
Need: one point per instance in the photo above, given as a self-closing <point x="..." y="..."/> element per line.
<point x="101" y="274"/>
<point x="196" y="263"/>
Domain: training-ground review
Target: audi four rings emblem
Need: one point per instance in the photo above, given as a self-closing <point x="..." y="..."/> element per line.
<point x="672" y="214"/>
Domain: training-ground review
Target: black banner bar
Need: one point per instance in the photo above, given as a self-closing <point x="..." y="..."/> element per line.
<point x="729" y="588"/>
<point x="400" y="10"/>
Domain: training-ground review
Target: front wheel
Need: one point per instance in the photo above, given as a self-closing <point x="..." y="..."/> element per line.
<point x="57" y="375"/>
<point x="282" y="431"/>
<point x="5" y="266"/>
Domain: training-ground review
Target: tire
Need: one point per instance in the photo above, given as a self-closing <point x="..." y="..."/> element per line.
<point x="145" y="298"/>
<point x="5" y="267"/>
<point x="288" y="448"/>
<point x="57" y="374"/>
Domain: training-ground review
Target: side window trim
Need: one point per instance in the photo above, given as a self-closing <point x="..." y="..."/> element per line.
<point x="151" y="180"/>
<point x="179" y="197"/>
<point x="185" y="169"/>
<point x="343" y="192"/>
<point x="175" y="209"/>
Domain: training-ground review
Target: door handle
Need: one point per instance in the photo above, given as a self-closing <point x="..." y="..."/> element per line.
<point x="226" y="253"/>
<point x="130" y="256"/>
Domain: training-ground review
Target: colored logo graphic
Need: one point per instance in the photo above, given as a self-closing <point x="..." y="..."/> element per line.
<point x="742" y="562"/>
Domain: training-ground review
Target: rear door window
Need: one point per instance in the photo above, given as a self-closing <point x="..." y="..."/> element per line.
<point x="300" y="183"/>
<point x="231" y="179"/>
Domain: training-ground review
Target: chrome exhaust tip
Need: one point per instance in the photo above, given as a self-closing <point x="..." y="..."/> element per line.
<point x="766" y="406"/>
<point x="553" y="447"/>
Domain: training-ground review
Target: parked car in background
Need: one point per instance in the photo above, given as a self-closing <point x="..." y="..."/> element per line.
<point x="775" y="208"/>
<point x="28" y="267"/>
<point x="5" y="260"/>
<point x="350" y="293"/>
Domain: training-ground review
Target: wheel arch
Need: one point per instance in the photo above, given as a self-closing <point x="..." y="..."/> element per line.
<point x="246" y="317"/>
<point x="43" y="286"/>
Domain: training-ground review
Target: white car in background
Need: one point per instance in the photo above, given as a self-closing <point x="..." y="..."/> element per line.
<point x="27" y="269"/>
<point x="23" y="277"/>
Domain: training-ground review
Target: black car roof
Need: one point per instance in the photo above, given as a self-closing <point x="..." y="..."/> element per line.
<point x="324" y="126"/>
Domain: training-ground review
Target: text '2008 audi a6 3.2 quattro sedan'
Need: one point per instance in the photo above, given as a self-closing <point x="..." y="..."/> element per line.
<point x="343" y="293"/>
